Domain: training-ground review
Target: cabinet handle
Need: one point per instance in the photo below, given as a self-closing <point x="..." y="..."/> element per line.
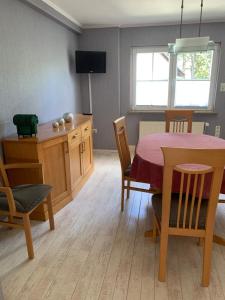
<point x="66" y="148"/>
<point x="86" y="129"/>
<point x="81" y="148"/>
<point x="74" y="136"/>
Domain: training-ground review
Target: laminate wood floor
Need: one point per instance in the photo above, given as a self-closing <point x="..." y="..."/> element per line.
<point x="96" y="252"/>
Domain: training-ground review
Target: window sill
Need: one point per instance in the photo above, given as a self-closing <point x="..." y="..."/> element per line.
<point x="207" y="112"/>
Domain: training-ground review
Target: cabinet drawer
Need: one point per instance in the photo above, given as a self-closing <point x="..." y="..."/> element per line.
<point x="74" y="137"/>
<point x="86" y="129"/>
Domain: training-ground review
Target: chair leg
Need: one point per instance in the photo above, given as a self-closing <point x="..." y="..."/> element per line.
<point x="163" y="256"/>
<point x="10" y="220"/>
<point x="207" y="260"/>
<point x="122" y="195"/>
<point x="50" y="212"/>
<point x="154" y="230"/>
<point x="27" y="230"/>
<point x="128" y="190"/>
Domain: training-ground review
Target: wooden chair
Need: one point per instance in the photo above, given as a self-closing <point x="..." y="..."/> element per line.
<point x="19" y="202"/>
<point x="125" y="160"/>
<point x="188" y="213"/>
<point x="178" y="120"/>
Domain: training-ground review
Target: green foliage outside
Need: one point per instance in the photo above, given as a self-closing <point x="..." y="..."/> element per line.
<point x="194" y="66"/>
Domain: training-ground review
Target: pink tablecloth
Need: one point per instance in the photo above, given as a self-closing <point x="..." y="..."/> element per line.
<point x="148" y="162"/>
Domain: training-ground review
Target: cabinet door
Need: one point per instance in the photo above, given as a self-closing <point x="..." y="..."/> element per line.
<point x="75" y="165"/>
<point x="87" y="158"/>
<point x="75" y="151"/>
<point x="56" y="168"/>
<point x="87" y="154"/>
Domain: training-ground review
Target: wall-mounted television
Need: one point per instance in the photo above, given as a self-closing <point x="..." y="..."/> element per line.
<point x="90" y="62"/>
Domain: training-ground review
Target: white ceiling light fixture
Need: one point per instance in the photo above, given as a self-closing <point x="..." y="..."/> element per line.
<point x="193" y="44"/>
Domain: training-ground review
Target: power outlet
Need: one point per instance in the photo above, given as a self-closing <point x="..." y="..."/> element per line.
<point x="217" y="130"/>
<point x="222" y="86"/>
<point x="206" y="126"/>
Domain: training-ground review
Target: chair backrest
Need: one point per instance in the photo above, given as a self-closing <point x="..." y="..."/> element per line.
<point x="3" y="174"/>
<point x="178" y="120"/>
<point x="199" y="169"/>
<point x="122" y="142"/>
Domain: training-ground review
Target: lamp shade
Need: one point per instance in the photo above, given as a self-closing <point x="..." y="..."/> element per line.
<point x="191" y="45"/>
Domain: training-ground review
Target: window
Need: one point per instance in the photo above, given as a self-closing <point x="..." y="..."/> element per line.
<point x="161" y="80"/>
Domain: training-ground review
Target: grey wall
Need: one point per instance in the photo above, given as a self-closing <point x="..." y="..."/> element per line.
<point x="37" y="68"/>
<point x="118" y="94"/>
<point x="105" y="87"/>
<point x="37" y="71"/>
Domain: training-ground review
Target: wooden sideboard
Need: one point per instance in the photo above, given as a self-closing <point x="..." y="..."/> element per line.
<point x="66" y="155"/>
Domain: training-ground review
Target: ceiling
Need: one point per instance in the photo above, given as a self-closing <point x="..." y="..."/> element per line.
<point x="125" y="13"/>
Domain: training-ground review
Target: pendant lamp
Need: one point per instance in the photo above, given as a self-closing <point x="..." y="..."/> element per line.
<point x="192" y="44"/>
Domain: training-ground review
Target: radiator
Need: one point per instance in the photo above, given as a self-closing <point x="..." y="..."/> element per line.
<point x="148" y="127"/>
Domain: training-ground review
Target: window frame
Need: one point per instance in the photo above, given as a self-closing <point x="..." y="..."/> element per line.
<point x="172" y="81"/>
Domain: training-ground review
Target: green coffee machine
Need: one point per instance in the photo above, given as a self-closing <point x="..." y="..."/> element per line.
<point x="26" y="125"/>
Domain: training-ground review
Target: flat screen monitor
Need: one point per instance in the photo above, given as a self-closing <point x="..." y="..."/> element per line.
<point x="90" y="62"/>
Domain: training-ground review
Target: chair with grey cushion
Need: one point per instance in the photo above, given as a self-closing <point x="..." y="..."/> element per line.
<point x="192" y="211"/>
<point x="20" y="201"/>
<point x="174" y="206"/>
<point x="125" y="161"/>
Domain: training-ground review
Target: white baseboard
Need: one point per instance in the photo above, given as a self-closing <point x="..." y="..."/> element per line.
<point x="105" y="150"/>
<point x="131" y="147"/>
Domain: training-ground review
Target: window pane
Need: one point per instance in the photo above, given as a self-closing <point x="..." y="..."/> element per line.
<point x="193" y="76"/>
<point x="161" y="66"/>
<point x="152" y="74"/>
<point x="192" y="93"/>
<point x="194" y="66"/>
<point x="144" y="66"/>
<point x="152" y="66"/>
<point x="152" y="93"/>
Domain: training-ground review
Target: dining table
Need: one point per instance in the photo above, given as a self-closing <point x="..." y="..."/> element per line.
<point x="148" y="162"/>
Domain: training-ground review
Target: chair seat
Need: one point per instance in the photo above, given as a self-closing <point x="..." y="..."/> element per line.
<point x="26" y="197"/>
<point x="157" y="206"/>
